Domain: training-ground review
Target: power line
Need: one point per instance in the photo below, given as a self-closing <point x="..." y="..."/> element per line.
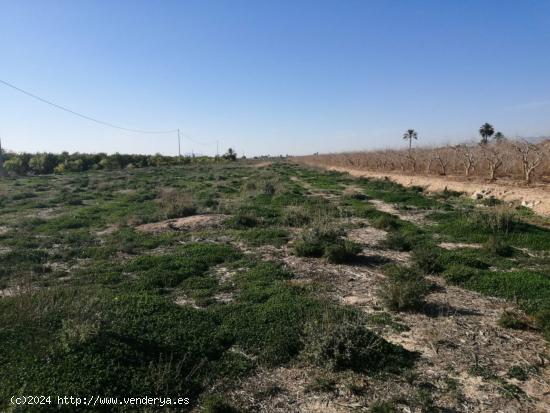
<point x="111" y="125"/>
<point x="206" y="143"/>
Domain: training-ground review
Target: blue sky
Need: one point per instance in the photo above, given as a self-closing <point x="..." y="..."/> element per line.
<point x="271" y="76"/>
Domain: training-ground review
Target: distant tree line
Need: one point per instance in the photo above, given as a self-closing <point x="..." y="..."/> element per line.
<point x="48" y="163"/>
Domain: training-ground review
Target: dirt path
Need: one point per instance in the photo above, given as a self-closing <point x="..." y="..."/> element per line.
<point x="537" y="198"/>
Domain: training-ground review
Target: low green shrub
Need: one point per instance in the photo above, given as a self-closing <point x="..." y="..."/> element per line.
<point x="496" y="246"/>
<point x="383" y="407"/>
<point x="217" y="404"/>
<point x="459" y="274"/>
<point x="242" y="220"/>
<point x="263" y="236"/>
<point x="305" y="248"/>
<point x="403" y="290"/>
<point x="176" y="204"/>
<point x="295" y="216"/>
<point x="386" y="222"/>
<point x="542" y="321"/>
<point x="326" y="242"/>
<point x="340" y="341"/>
<point x="342" y="251"/>
<point x="514" y="320"/>
<point x="314" y="241"/>
<point x="518" y="372"/>
<point x="426" y="259"/>
<point x="397" y="242"/>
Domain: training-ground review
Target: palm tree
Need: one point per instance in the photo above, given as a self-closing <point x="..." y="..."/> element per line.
<point x="410" y="135"/>
<point x="230" y="155"/>
<point x="486" y="131"/>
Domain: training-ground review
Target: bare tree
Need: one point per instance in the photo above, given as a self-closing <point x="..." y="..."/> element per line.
<point x="402" y="160"/>
<point x="531" y="158"/>
<point x="442" y="158"/>
<point x="429" y="164"/>
<point x="520" y="162"/>
<point x="468" y="158"/>
<point x="494" y="159"/>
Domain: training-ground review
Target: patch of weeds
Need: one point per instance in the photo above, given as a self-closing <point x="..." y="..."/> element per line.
<point x="313" y="242"/>
<point x="386" y="222"/>
<point x="268" y="392"/>
<point x="169" y="270"/>
<point x="217" y="404"/>
<point x="383" y="407"/>
<point x="176" y="204"/>
<point x="530" y="288"/>
<point x="514" y="320"/>
<point x="447" y="194"/>
<point x="403" y="290"/>
<point x="467" y="257"/>
<point x="491" y="201"/>
<point x="342" y="251"/>
<point x="396" y="241"/>
<point x="358" y="196"/>
<point x="267" y="316"/>
<point x="509" y="390"/>
<point x="340" y="341"/>
<point x="459" y="274"/>
<point x="424" y="397"/>
<point x="323" y="241"/>
<point x="426" y="259"/>
<point x="242" y="220"/>
<point x="542" y="320"/>
<point x="481" y="371"/>
<point x="386" y="320"/>
<point x="263" y="236"/>
<point x="478" y="226"/>
<point x="518" y="372"/>
<point x="452" y="386"/>
<point x="496" y="246"/>
<point x="321" y="384"/>
<point x="295" y="216"/>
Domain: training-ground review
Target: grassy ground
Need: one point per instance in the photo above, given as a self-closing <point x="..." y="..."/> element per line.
<point x="92" y="305"/>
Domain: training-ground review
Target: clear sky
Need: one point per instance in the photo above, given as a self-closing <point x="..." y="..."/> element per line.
<point x="271" y="76"/>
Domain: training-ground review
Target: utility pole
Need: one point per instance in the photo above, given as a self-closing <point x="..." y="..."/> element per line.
<point x="2" y="171"/>
<point x="179" y="144"/>
<point x="217" y="148"/>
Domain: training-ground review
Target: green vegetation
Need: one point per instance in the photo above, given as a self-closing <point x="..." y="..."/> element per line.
<point x="92" y="302"/>
<point x="404" y="289"/>
<point x="325" y="241"/>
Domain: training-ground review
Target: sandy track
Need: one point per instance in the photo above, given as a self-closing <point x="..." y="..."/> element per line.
<point x="537" y="198"/>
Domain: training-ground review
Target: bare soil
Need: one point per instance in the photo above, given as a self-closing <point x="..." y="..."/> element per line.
<point x="192" y="223"/>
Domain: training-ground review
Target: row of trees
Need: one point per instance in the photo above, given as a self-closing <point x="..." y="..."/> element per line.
<point x="48" y="163"/>
<point x="490" y="159"/>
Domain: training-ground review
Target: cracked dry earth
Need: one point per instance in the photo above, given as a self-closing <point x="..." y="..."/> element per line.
<point x="464" y="355"/>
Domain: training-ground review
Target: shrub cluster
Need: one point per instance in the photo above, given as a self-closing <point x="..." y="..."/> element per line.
<point x="327" y="242"/>
<point x="340" y="340"/>
<point x="404" y="289"/>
